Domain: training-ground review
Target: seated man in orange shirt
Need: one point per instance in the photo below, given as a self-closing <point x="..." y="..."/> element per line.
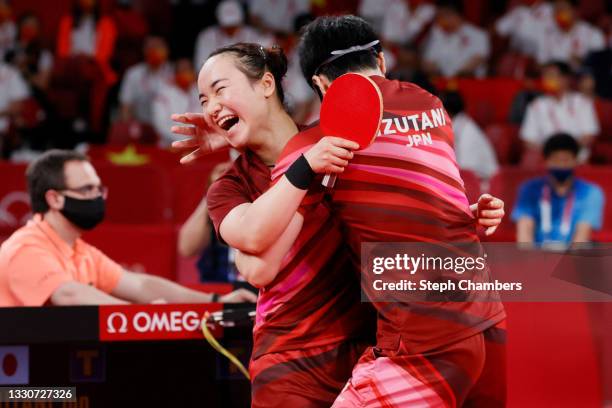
<point x="46" y="262"/>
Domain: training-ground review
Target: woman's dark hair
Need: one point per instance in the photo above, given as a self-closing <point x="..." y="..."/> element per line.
<point x="327" y="34"/>
<point x="558" y="142"/>
<point x="254" y="60"/>
<point x="77" y="14"/>
<point x="47" y="173"/>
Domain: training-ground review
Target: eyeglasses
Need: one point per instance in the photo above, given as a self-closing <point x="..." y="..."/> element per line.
<point x="90" y="190"/>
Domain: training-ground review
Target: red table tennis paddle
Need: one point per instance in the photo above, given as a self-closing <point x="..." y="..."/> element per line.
<point x="352" y="108"/>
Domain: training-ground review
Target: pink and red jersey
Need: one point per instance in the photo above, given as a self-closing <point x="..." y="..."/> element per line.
<point x="406" y="187"/>
<point x="314" y="300"/>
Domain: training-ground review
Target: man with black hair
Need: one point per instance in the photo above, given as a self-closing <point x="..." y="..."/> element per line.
<point x="47" y="262"/>
<point x="455" y="47"/>
<point x="559" y="110"/>
<point x="558" y="209"/>
<point x="427" y="354"/>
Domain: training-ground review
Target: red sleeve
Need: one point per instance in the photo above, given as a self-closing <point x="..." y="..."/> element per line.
<point x="223" y="196"/>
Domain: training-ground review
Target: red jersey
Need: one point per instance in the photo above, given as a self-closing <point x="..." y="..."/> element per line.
<point x="406" y="187"/>
<point x="314" y="299"/>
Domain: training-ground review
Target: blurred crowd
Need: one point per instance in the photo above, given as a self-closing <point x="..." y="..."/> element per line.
<point x="117" y="69"/>
<point x="112" y="72"/>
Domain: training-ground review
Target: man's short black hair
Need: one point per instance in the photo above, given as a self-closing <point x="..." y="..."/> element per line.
<point x="47" y="173"/>
<point x="330" y="33"/>
<point x="559" y="142"/>
<point x="563" y="67"/>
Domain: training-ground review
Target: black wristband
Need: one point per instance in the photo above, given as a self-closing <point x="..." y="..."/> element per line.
<point x="300" y="173"/>
<point x="215" y="298"/>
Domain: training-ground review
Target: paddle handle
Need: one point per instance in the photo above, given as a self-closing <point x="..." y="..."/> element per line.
<point x="329" y="180"/>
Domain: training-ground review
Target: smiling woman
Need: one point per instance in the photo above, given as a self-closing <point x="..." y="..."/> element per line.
<point x="242" y="102"/>
<point x="230" y="82"/>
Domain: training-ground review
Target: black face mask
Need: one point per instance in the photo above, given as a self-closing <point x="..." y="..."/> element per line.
<point x="561" y="175"/>
<point x="85" y="214"/>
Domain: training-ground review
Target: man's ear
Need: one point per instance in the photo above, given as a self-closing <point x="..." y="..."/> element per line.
<point x="55" y="200"/>
<point x="322" y="83"/>
<point x="268" y="83"/>
<point x="382" y="64"/>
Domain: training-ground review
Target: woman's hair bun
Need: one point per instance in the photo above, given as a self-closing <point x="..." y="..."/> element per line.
<point x="276" y="61"/>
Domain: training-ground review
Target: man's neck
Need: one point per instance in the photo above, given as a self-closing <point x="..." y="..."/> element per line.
<point x="561" y="189"/>
<point x="62" y="227"/>
<point x="279" y="129"/>
<point x="370" y="72"/>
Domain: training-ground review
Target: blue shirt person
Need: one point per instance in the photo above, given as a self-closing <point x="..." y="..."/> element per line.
<point x="558" y="209"/>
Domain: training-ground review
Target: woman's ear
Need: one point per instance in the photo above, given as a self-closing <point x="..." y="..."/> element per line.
<point x="269" y="84"/>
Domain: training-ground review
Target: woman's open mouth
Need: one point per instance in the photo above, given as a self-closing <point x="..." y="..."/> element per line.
<point x="227" y="122"/>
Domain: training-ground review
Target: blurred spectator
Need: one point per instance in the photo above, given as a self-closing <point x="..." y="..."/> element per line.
<point x="300" y="98"/>
<point x="525" y="96"/>
<point x="455" y="47"/>
<point x="568" y="39"/>
<point x="29" y="55"/>
<point x="472" y="148"/>
<point x="142" y="82"/>
<point x="524" y="24"/>
<point x="231" y="29"/>
<point x="404" y="20"/>
<point x="277" y="16"/>
<point x="374" y="12"/>
<point x="178" y="95"/>
<point x="558" y="209"/>
<point x="560" y="110"/>
<point x="85" y="32"/>
<point x="333" y="8"/>
<point x="197" y="237"/>
<point x="46" y="262"/>
<point x="600" y="65"/>
<point x="13" y="92"/>
<point x="586" y="83"/>
<point x="132" y="27"/>
<point x="8" y="30"/>
<point x="408" y="68"/>
<point x="34" y="126"/>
